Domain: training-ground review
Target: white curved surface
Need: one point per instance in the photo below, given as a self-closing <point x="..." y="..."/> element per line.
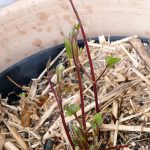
<point x="27" y="27"/>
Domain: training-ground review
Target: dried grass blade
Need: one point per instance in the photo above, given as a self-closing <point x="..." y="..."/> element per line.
<point x="17" y="136"/>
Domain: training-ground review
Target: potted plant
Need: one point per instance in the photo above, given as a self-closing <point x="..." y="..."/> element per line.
<point x="83" y="79"/>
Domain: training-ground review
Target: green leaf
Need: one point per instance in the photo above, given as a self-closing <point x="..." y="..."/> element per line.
<point x="68" y="48"/>
<point x="98" y="118"/>
<point x="71" y="109"/>
<point x="111" y="61"/>
<point x="97" y="121"/>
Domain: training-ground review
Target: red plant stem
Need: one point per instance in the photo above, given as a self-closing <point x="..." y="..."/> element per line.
<point x="59" y="102"/>
<point x="81" y="96"/>
<point x="89" y="57"/>
<point x="77" y="64"/>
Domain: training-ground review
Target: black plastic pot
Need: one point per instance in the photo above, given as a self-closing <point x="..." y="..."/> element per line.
<point x="30" y="67"/>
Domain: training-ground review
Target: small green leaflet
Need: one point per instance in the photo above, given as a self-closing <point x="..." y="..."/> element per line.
<point x="97" y="120"/>
<point x="68" y="48"/>
<point x="22" y="95"/>
<point x="111" y="61"/>
<point x="71" y="109"/>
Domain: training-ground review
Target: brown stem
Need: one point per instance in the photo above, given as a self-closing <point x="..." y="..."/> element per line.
<point x="89" y="57"/>
<point x="101" y="74"/>
<point x="59" y="102"/>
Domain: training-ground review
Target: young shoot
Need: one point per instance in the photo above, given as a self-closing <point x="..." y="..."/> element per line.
<point x="59" y="72"/>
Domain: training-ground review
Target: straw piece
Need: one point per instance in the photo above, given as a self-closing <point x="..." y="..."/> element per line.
<point x="110" y="127"/>
<point x="33" y="89"/>
<point x="17" y="136"/>
<point x="142" y="51"/>
<point x="124" y="40"/>
<point x="136" y="64"/>
<point x="10" y="146"/>
<point x="135" y="115"/>
<point x="141" y="75"/>
<point x="116" y="133"/>
<point x="25" y="129"/>
<point x="2" y="140"/>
